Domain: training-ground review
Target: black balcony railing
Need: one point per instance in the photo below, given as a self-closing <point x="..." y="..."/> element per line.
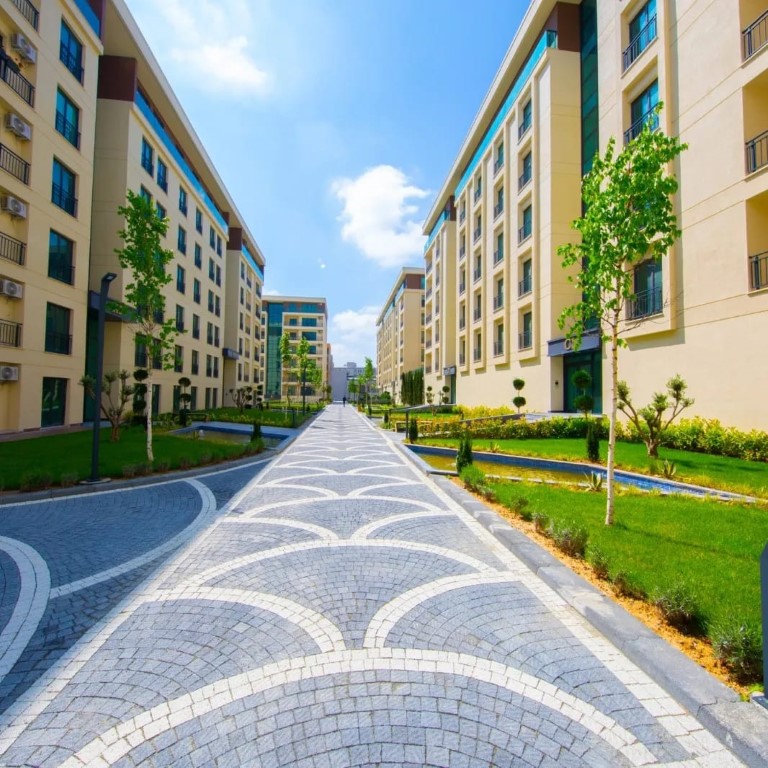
<point x="62" y="271"/>
<point x="498" y="209"/>
<point x="13" y="164"/>
<point x="60" y="343"/>
<point x="10" y="333"/>
<point x="476" y="234"/>
<point x="524" y="126"/>
<point x="462" y="287"/>
<point x="645" y="304"/>
<point x="477" y="314"/>
<point x="524" y="286"/>
<point x="525" y="340"/>
<point x="498" y="301"/>
<point x="523" y="233"/>
<point x="12" y="250"/>
<point x="651" y="118"/>
<point x="462" y="215"/>
<point x="462" y="252"/>
<point x="17" y="82"/>
<point x="755" y="36"/>
<point x="462" y="323"/>
<point x="523" y="179"/>
<point x="477" y="355"/>
<point x="462" y="358"/>
<point x="64" y="199"/>
<point x="71" y="62"/>
<point x="28" y="11"/>
<point x="758" y="271"/>
<point x="498" y="165"/>
<point x="757" y="152"/>
<point x="498" y="256"/>
<point x="477" y="195"/>
<point x="477" y="274"/>
<point x="67" y="129"/>
<point x="498" y="348"/>
<point x="639" y="43"/>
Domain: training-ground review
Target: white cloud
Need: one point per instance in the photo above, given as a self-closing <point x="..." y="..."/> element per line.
<point x="270" y="292"/>
<point x="378" y="218"/>
<point x="205" y="42"/>
<point x="353" y="335"/>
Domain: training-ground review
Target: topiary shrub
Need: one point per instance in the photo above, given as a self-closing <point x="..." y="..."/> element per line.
<point x="464" y="452"/>
<point x="413" y="430"/>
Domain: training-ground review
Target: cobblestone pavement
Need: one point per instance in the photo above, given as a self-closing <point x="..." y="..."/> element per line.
<point x="338" y="610"/>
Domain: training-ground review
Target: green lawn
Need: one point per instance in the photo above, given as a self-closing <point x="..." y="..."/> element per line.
<point x="714" y="546"/>
<point x="70" y="454"/>
<point x="722" y="472"/>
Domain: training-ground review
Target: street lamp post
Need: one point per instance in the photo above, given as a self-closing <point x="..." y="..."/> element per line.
<point x="103" y="294"/>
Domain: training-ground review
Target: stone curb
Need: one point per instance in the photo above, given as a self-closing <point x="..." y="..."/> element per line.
<point x="741" y="726"/>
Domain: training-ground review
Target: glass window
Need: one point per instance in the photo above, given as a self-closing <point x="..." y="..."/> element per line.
<point x="183" y="200"/>
<point x="147" y="157"/>
<point x="178" y="359"/>
<point x="57" y="329"/>
<point x="71" y="52"/>
<point x="642" y="32"/>
<point x="161" y="212"/>
<point x="54" y="404"/>
<point x="642" y="111"/>
<point x="196" y="290"/>
<point x="67" y="119"/>
<point x="212" y="237"/>
<point x="525" y="119"/>
<point x="211" y="269"/>
<point x="218" y="244"/>
<point x="195" y="371"/>
<point x="63" y="188"/>
<point x="162" y="175"/>
<point x="199" y="220"/>
<point x="198" y="256"/>
<point x="179" y="317"/>
<point x="648" y="290"/>
<point x="61" y="254"/>
<point x="195" y="327"/>
<point x="180" y="279"/>
<point x="144" y="192"/>
<point x="182" y="240"/>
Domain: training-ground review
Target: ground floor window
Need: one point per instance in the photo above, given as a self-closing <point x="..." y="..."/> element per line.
<point x="54" y="403"/>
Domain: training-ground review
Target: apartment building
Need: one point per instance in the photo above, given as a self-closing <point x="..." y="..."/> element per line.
<point x="48" y="81"/>
<point x="575" y="75"/>
<point x="301" y="317"/>
<point x="400" y="330"/>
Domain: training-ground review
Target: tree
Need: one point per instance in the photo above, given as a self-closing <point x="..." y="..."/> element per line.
<point x="629" y="217"/>
<point x="304" y="364"/>
<point x="649" y="421"/>
<point x="286" y="358"/>
<point x="429" y="396"/>
<point x="144" y="257"/>
<point x="518" y="400"/>
<point x="113" y="409"/>
<point x="582" y="380"/>
<point x="368" y="378"/>
<point x="241" y="397"/>
<point x="352" y="389"/>
<point x="445" y="396"/>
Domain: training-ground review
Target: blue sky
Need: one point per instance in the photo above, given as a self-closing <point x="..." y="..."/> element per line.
<point x="333" y="124"/>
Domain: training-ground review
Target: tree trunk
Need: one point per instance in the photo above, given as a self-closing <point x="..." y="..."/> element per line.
<point x="609" y="506"/>
<point x="653" y="449"/>
<point x="150" y="454"/>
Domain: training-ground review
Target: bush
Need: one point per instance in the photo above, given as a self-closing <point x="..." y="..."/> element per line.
<point x="738" y="644"/>
<point x="593" y="443"/>
<point x="386" y="418"/>
<point x="570" y="537"/>
<point x="256" y="430"/>
<point x="256" y="445"/>
<point x="473" y="477"/>
<point x="541" y="522"/>
<point x="678" y="605"/>
<point x="143" y="468"/>
<point x="464" y="453"/>
<point x="68" y="479"/>
<point x="163" y="465"/>
<point x="129" y="470"/>
<point x="413" y="430"/>
<point x="627" y="585"/>
<point x="520" y="506"/>
<point x="598" y="559"/>
<point x="204" y="458"/>
<point x="184" y="462"/>
<point x="35" y="480"/>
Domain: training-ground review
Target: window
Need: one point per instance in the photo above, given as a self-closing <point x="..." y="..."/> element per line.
<point x="642" y="112"/>
<point x="198" y="256"/>
<point x="218" y="275"/>
<point x="212" y="269"/>
<point x="212" y="237"/>
<point x="477" y="352"/>
<point x="195" y="326"/>
<point x="193" y="390"/>
<point x="525" y="286"/>
<point x="210" y="301"/>
<point x="71" y="52"/>
<point x="144" y="192"/>
<point x="147" y="157"/>
<point x="525" y="120"/>
<point x="499" y="162"/>
<point x="218" y="245"/>
<point x="54" y="404"/>
<point x="242" y="296"/>
<point x="526" y="334"/>
<point x="181" y="285"/>
<point x="209" y="333"/>
<point x="181" y="242"/>
<point x="162" y="175"/>
<point x="183" y="200"/>
<point x="218" y="306"/>
<point x="498" y="345"/>
<point x="647" y="286"/>
<point x="57" y="325"/>
<point x="498" y="299"/>
<point x="178" y="359"/>
<point x="195" y="369"/>
<point x="207" y="395"/>
<point x="216" y="336"/>
<point x="61" y="254"/>
<point x="215" y="373"/>
<point x="642" y="32"/>
<point x="161" y="212"/>
<point x="63" y="188"/>
<point x="199" y="220"/>
<point x="527" y="171"/>
<point x="478" y="228"/>
<point x="498" y="209"/>
<point x="478" y="188"/>
<point x="196" y="291"/>
<point x="525" y="231"/>
<point x="179" y="318"/>
<point x="67" y="119"/>
<point x="140" y="355"/>
<point x="498" y="254"/>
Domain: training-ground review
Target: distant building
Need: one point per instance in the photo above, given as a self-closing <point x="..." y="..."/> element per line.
<point x="340" y="378"/>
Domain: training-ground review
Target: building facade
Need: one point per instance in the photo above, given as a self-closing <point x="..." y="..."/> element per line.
<point x="400" y="331"/>
<point x="300" y="317"/>
<point x="88" y="115"/>
<point x="575" y="75"/>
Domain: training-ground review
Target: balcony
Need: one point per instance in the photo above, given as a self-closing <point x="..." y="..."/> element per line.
<point x="28" y="11"/>
<point x="524" y="233"/>
<point x="498" y="165"/>
<point x="12" y="250"/>
<point x="428" y="319"/>
<point x="524" y="287"/>
<point x="498" y="209"/>
<point x="67" y="130"/>
<point x="462" y="358"/>
<point x="639" y="43"/>
<point x="477" y="274"/>
<point x="59" y="343"/>
<point x="524" y="127"/>
<point x="476" y="234"/>
<point x="498" y="348"/>
<point x="757" y="152"/>
<point x="477" y="355"/>
<point x="477" y="195"/>
<point x="428" y="369"/>
<point x="17" y="82"/>
<point x="462" y="323"/>
<point x="525" y="340"/>
<point x="462" y="251"/>
<point x="65" y="200"/>
<point x="477" y="314"/>
<point x="428" y="344"/>
<point x="498" y="255"/>
<point x="758" y="271"/>
<point x="62" y="271"/>
<point x="429" y="268"/>
<point x="71" y="62"/>
<point x="523" y="179"/>
<point x="462" y="215"/>
<point x="645" y="304"/>
<point x="634" y="130"/>
<point x="13" y="164"/>
<point x="462" y="287"/>
<point x="10" y="333"/>
<point x="498" y="302"/>
<point x="755" y="36"/>
<point x="428" y="293"/>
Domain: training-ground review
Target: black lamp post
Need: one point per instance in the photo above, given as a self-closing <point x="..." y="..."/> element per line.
<point x="103" y="294"/>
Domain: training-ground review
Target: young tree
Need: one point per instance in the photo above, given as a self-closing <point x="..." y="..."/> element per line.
<point x="368" y="378"/>
<point x="304" y="366"/>
<point x="629" y="217"/>
<point x="113" y="409"/>
<point x="241" y="397"/>
<point x="649" y="421"/>
<point x="286" y="358"/>
<point x="144" y="257"/>
<point x="352" y="389"/>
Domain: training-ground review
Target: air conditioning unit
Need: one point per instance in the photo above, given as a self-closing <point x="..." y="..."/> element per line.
<point x="16" y="125"/>
<point x="9" y="372"/>
<point x="9" y="288"/>
<point x="13" y="206"/>
<point x="26" y="50"/>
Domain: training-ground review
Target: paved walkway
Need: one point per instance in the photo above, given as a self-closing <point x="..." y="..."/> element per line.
<point x="338" y="609"/>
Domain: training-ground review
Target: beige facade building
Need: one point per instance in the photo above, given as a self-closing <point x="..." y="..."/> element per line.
<point x="48" y="79"/>
<point x="301" y="317"/>
<point x="575" y="75"/>
<point x="88" y="115"/>
<point x="400" y="331"/>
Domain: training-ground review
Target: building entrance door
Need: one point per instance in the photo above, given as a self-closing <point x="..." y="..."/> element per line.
<point x="592" y="363"/>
